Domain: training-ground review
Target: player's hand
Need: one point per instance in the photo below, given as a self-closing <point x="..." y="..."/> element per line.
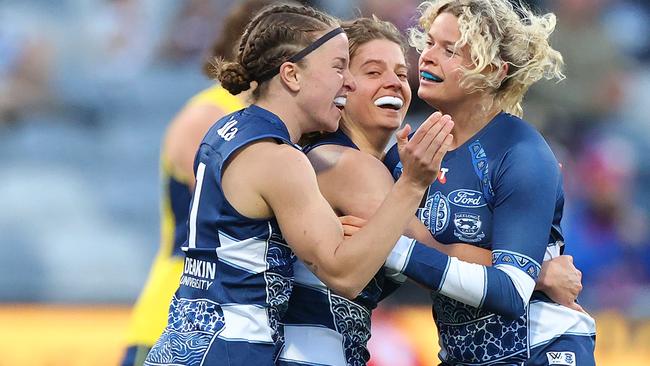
<point x="351" y="224"/>
<point x="561" y="281"/>
<point x="422" y="154"/>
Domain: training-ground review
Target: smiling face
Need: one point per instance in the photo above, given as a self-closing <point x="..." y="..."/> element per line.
<point x="324" y="77"/>
<point x="383" y="95"/>
<point x="440" y="63"/>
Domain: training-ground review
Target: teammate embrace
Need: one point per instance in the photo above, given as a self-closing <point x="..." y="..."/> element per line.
<point x="260" y="201"/>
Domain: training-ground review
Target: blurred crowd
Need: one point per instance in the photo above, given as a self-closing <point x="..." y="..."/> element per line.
<point x="87" y="87"/>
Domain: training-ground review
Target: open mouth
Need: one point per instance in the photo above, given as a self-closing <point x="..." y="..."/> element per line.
<point x="340" y="101"/>
<point x="425" y="75"/>
<point x="388" y="102"/>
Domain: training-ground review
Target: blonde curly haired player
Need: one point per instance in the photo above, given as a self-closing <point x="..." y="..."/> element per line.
<point x="502" y="189"/>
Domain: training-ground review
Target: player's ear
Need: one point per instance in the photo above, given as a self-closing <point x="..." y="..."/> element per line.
<point x="290" y="76"/>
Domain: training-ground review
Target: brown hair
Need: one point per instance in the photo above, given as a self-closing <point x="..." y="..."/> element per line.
<point x="233" y="27"/>
<point x="271" y="38"/>
<point x="363" y="30"/>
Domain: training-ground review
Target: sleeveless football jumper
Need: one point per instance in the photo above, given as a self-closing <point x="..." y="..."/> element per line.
<point x="238" y="272"/>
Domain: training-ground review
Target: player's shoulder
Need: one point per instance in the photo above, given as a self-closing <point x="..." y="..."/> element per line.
<point x="204" y="110"/>
<point x="340" y="158"/>
<point x="509" y="136"/>
<point x="192" y="120"/>
<point x="275" y="156"/>
<point x="219" y="97"/>
<point x="246" y="125"/>
<point x="515" y="130"/>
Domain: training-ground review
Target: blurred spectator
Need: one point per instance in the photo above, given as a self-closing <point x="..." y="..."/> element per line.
<point x="25" y="69"/>
<point x="627" y="23"/>
<point x="118" y="40"/>
<point x="343" y="9"/>
<point x="596" y="74"/>
<point x="605" y="228"/>
<point x="193" y="27"/>
<point x="388" y="345"/>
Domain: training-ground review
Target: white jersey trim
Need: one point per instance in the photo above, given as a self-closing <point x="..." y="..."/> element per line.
<point x="200" y="172"/>
<point x="311" y="344"/>
<point x="399" y="256"/>
<point x="246" y="323"/>
<point x="524" y="284"/>
<point x="548" y="321"/>
<point x="464" y="282"/>
<point x="248" y="254"/>
<point x="303" y="276"/>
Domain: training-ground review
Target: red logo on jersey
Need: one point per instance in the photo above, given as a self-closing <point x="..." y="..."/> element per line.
<point x="441" y="175"/>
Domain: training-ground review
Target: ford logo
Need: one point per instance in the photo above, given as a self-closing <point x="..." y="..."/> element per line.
<point x="467" y="198"/>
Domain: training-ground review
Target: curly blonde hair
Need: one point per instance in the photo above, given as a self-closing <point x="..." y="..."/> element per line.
<point x="497" y="33"/>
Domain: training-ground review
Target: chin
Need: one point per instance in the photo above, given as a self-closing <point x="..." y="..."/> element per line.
<point x="427" y="96"/>
<point x="330" y="126"/>
<point x="391" y="123"/>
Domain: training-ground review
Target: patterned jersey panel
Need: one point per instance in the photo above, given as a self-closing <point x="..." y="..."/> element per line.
<point x="314" y="309"/>
<point x="474" y="336"/>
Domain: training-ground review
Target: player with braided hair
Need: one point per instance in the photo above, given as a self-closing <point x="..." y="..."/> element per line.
<point x="256" y="200"/>
<point x="179" y="146"/>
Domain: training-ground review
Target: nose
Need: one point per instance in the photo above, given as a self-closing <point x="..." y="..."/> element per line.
<point x="391" y="80"/>
<point x="428" y="56"/>
<point x="348" y="81"/>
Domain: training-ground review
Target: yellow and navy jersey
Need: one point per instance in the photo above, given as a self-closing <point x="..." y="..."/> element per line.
<point x="150" y="312"/>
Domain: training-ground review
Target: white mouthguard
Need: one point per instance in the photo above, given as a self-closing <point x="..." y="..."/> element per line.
<point x="390" y="101"/>
<point x="340" y="101"/>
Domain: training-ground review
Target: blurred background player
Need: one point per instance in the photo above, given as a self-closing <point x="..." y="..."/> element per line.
<point x="179" y="147"/>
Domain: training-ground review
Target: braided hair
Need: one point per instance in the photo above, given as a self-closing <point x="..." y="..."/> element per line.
<point x="270" y="39"/>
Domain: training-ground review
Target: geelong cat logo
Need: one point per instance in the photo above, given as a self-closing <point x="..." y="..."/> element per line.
<point x="468" y="227"/>
<point x="467" y="198"/>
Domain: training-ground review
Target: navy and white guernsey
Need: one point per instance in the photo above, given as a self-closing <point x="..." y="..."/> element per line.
<point x="501" y="190"/>
<point x="322" y="328"/>
<point x="238" y="272"/>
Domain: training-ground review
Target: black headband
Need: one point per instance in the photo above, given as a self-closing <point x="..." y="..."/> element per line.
<point x="300" y="55"/>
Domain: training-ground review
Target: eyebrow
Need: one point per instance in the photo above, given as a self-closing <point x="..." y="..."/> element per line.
<point x="447" y="42"/>
<point x="376" y="61"/>
<point x="342" y="59"/>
